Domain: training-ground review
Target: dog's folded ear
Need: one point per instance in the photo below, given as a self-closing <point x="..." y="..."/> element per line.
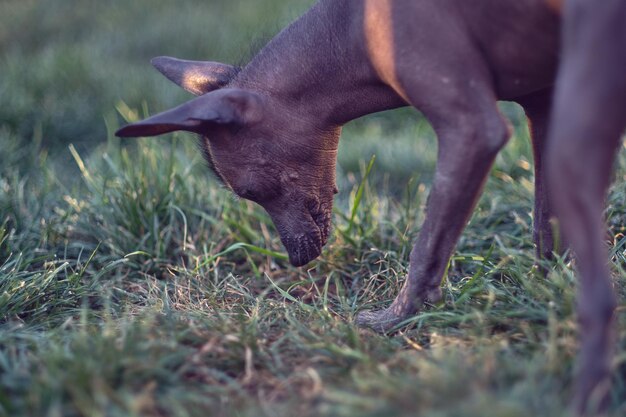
<point x="223" y="107"/>
<point x="197" y="77"/>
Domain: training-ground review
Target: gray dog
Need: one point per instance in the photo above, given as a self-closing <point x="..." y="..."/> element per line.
<point x="270" y="130"/>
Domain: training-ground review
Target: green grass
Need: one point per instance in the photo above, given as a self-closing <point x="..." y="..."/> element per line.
<point x="132" y="285"/>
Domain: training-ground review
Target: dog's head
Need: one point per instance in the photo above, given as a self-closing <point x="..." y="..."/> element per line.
<point x="259" y="147"/>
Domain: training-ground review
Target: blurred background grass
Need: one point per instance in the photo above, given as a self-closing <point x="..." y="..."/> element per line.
<point x="65" y="64"/>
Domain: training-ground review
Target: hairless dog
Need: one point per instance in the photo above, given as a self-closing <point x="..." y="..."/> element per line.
<point x="270" y="131"/>
<point x="588" y="119"/>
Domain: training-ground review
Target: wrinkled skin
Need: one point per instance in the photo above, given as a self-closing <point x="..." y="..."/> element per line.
<point x="295" y="184"/>
<point x="270" y="157"/>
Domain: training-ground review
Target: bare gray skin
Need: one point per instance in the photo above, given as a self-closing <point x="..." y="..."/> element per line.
<point x="588" y="119"/>
<point x="270" y="131"/>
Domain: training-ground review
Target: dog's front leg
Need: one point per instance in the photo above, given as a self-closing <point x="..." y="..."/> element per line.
<point x="470" y="135"/>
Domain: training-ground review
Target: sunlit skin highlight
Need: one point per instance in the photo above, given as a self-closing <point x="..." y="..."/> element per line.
<point x="556" y="5"/>
<point x="379" y="32"/>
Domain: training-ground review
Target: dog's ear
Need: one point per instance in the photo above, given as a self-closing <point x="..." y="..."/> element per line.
<point x="223" y="107"/>
<point x="197" y="77"/>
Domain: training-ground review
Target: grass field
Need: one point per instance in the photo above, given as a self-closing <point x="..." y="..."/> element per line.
<point x="131" y="284"/>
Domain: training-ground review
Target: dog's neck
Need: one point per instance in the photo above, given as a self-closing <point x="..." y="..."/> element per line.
<point x="319" y="65"/>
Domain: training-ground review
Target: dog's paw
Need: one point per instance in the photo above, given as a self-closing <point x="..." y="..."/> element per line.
<point x="381" y="321"/>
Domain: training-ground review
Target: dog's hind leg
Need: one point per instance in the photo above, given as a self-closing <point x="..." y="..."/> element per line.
<point x="537" y="107"/>
<point x="470" y="133"/>
<point x="589" y="117"/>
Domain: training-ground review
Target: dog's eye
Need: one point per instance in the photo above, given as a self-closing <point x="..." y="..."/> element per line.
<point x="248" y="194"/>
